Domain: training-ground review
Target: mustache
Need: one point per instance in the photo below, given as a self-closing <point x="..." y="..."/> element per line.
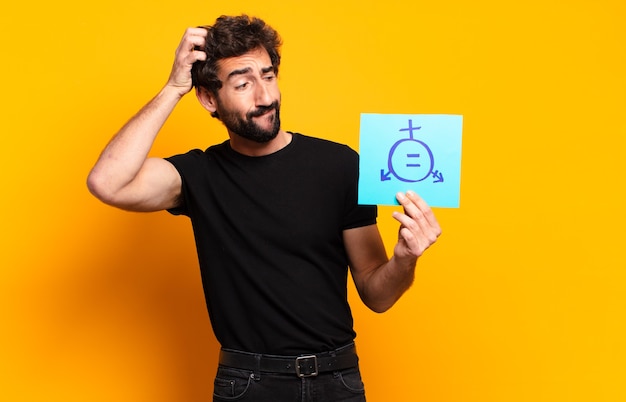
<point x="261" y="110"/>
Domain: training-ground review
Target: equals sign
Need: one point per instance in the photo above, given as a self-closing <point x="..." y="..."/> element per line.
<point x="413" y="164"/>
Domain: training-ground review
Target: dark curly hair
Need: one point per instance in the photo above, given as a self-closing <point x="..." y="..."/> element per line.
<point x="232" y="37"/>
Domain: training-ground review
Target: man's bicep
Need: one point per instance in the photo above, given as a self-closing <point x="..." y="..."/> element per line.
<point x="366" y="251"/>
<point x="156" y="187"/>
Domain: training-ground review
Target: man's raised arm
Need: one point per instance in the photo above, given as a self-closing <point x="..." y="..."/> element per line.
<point x="124" y="176"/>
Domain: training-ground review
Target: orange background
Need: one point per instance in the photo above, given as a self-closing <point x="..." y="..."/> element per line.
<point x="523" y="297"/>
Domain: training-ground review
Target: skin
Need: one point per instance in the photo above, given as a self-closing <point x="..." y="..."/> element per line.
<point x="124" y="176"/>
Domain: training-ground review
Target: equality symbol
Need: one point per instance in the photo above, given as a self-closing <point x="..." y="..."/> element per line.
<point x="411" y="160"/>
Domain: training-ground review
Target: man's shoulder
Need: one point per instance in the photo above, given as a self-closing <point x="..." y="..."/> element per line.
<point x="322" y="144"/>
<point x="219" y="147"/>
<point x="197" y="153"/>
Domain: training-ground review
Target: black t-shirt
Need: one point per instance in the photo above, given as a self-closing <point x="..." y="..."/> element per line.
<point x="268" y="233"/>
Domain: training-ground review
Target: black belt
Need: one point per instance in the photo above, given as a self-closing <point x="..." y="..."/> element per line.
<point x="302" y="366"/>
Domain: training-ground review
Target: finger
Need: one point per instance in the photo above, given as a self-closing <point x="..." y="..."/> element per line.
<point x="195" y="34"/>
<point x="194" y="39"/>
<point x="189" y="52"/>
<point x="405" y="220"/>
<point x="411" y="209"/>
<point x="197" y="42"/>
<point x="411" y="243"/>
<point x="423" y="207"/>
<point x="418" y="217"/>
<point x="199" y="31"/>
<point x="410" y="231"/>
<point x="199" y="55"/>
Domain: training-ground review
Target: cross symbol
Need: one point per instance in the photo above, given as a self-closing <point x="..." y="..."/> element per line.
<point x="410" y="129"/>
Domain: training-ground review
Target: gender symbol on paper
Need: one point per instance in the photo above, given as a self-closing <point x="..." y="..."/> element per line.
<point x="411" y="160"/>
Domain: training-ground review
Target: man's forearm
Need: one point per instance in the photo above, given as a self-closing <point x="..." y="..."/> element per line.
<point x="387" y="284"/>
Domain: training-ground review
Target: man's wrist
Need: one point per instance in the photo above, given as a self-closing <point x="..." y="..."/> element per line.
<point x="173" y="92"/>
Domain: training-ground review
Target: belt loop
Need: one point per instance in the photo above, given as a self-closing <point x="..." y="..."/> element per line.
<point x="333" y="353"/>
<point x="257" y="370"/>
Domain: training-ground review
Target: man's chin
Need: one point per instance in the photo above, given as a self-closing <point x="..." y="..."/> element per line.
<point x="266" y="121"/>
<point x="267" y="126"/>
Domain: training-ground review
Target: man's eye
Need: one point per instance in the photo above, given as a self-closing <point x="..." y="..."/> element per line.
<point x="242" y="86"/>
<point x="269" y="77"/>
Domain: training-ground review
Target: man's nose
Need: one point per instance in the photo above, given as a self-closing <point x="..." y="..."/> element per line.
<point x="263" y="95"/>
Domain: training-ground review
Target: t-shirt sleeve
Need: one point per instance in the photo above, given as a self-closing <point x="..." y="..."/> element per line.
<point x="356" y="215"/>
<point x="187" y="165"/>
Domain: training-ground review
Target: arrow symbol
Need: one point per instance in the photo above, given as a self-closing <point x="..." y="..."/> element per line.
<point x="438" y="175"/>
<point x="384" y="176"/>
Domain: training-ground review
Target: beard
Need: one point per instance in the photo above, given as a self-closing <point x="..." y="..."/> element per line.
<point x="247" y="128"/>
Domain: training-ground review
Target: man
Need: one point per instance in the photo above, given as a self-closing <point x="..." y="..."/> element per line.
<point x="275" y="218"/>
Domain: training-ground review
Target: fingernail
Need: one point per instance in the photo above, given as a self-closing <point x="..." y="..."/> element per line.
<point x="400" y="196"/>
<point x="410" y="193"/>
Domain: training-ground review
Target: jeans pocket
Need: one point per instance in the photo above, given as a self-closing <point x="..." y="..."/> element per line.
<point x="231" y="384"/>
<point x="351" y="380"/>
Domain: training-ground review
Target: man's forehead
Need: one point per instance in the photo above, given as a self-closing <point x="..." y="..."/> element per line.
<point x="257" y="59"/>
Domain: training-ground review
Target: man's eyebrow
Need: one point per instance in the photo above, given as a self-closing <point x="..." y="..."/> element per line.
<point x="268" y="69"/>
<point x="248" y="70"/>
<point x="239" y="72"/>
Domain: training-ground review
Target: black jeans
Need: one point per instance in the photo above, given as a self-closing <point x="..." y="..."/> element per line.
<point x="245" y="385"/>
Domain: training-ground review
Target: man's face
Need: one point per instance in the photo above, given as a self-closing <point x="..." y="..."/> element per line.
<point x="249" y="101"/>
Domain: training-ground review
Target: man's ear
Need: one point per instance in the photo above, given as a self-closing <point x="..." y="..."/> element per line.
<point x="206" y="99"/>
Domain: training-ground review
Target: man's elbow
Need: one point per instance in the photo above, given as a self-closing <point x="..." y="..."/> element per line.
<point x="99" y="188"/>
<point x="375" y="302"/>
<point x="379" y="307"/>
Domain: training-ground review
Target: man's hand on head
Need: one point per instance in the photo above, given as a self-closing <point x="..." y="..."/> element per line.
<point x="188" y="52"/>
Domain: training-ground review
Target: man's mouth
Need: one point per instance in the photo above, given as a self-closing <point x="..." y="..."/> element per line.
<point x="263" y="110"/>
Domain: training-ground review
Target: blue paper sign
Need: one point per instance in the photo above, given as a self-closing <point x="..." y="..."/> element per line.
<point x="420" y="152"/>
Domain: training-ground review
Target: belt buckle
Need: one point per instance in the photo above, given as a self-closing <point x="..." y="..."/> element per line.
<point x="306" y="366"/>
